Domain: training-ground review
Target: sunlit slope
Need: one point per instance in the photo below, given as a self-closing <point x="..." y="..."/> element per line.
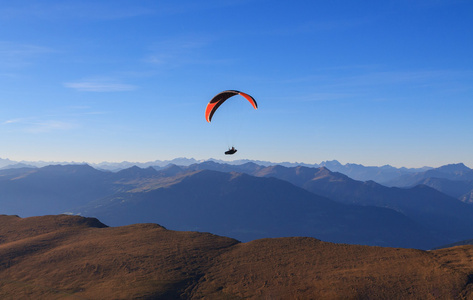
<point x="50" y="261"/>
<point x="305" y="268"/>
<point x="56" y="257"/>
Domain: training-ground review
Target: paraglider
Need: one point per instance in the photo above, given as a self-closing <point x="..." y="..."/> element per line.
<point x="218" y="100"/>
<point x="231" y="151"/>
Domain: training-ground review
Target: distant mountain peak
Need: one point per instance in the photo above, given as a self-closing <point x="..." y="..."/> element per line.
<point x="323" y="172"/>
<point x="68" y="169"/>
<point x="452" y="168"/>
<point x="136" y="171"/>
<point x="330" y="163"/>
<point x="18" y="166"/>
<point x="209" y="163"/>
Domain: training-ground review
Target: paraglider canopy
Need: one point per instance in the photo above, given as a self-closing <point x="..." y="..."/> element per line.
<point x="218" y="100"/>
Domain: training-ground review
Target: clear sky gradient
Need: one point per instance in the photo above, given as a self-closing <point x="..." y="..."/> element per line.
<point x="369" y="82"/>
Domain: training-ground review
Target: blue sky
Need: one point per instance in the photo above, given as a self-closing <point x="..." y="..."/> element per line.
<point x="369" y="82"/>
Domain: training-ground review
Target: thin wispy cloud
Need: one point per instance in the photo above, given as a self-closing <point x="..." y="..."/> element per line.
<point x="95" y="10"/>
<point x="364" y="78"/>
<point x="14" y="54"/>
<point x="63" y="119"/>
<point x="315" y="97"/>
<point x="8" y="75"/>
<point x="78" y="111"/>
<point x="103" y="10"/>
<point x="97" y="86"/>
<point x="18" y="49"/>
<point x="415" y="78"/>
<point x="312" y="27"/>
<point x="326" y="96"/>
<point x="37" y="125"/>
<point x="185" y="7"/>
<point x="50" y="125"/>
<point x="376" y="84"/>
<point x="180" y="51"/>
<point x="13" y="121"/>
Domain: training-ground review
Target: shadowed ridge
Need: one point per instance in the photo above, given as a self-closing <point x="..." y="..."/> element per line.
<point x="61" y="221"/>
<point x="15" y="228"/>
<point x="88" y="222"/>
<point x="75" y="169"/>
<point x="301" y="175"/>
<point x="460" y="243"/>
<point x="136" y="172"/>
<point x="51" y="220"/>
<point x="4" y="217"/>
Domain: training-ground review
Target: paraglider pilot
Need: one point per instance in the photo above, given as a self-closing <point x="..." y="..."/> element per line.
<point x="231" y="151"/>
<point x="221" y="98"/>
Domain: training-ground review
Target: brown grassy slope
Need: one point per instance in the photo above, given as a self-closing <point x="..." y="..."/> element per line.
<point x="137" y="261"/>
<point x="305" y="268"/>
<point x="459" y="258"/>
<point x="55" y="257"/>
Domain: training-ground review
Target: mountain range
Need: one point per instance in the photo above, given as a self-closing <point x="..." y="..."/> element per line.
<point x="71" y="257"/>
<point x="355" y="171"/>
<point x="246" y="202"/>
<point x="248" y="208"/>
<point x="427" y="206"/>
<point x="455" y="180"/>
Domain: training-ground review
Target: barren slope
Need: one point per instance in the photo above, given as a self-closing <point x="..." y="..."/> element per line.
<point x="54" y="257"/>
<point x="137" y="261"/>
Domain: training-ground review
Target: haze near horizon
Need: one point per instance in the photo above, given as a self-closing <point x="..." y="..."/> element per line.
<point x="372" y="83"/>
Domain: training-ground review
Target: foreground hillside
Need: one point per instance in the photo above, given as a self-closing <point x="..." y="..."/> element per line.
<point x="54" y="257"/>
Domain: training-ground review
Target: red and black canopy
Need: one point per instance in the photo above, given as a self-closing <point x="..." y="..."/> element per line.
<point x="218" y="100"/>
